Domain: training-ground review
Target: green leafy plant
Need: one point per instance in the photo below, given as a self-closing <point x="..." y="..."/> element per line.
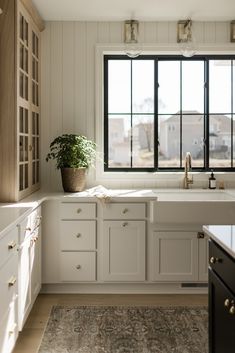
<point x="72" y="151"/>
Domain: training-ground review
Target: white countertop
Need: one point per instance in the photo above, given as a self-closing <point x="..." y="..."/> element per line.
<point x="224" y="236"/>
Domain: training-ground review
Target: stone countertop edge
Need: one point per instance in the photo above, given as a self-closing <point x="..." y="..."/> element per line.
<point x="217" y="236"/>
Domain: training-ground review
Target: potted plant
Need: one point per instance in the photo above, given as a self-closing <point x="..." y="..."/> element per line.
<point x="74" y="154"/>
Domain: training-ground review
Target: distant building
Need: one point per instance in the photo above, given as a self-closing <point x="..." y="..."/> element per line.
<point x="193" y="135"/>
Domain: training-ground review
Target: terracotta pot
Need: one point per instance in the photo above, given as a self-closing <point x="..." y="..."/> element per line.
<point x="73" y="179"/>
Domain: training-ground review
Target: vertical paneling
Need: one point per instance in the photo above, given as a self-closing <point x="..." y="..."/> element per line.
<point x="68" y="77"/>
<point x="209" y="32"/>
<point x="46" y="130"/>
<point x="222" y="32"/>
<point x="80" y="78"/>
<point x="150" y="31"/>
<point x="56" y="91"/>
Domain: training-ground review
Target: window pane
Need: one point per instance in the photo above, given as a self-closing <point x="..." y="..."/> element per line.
<point x="220" y="86"/>
<point x="119" y="148"/>
<point x="233" y="86"/>
<point x="143" y="141"/>
<point x="234" y="140"/>
<point x="193" y="86"/>
<point x="119" y="86"/>
<point x="220" y="141"/>
<point x="169" y="140"/>
<point x="192" y="138"/>
<point x="143" y="86"/>
<point x="169" y="87"/>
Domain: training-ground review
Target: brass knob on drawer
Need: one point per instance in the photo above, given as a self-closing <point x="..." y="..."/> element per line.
<point x="28" y="229"/>
<point x="12" y="281"/>
<point x="232" y="310"/>
<point x="125" y="211"/>
<point x="78" y="267"/>
<point x="78" y="235"/>
<point x="79" y="210"/>
<point x="124" y="224"/>
<point x="214" y="260"/>
<point x="226" y="303"/>
<point x="12" y="245"/>
<point x="200" y="235"/>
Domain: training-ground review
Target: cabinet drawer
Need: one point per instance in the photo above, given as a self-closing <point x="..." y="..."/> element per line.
<point x="124" y="211"/>
<point x="78" y="266"/>
<point x="222" y="264"/>
<point x="8" y="283"/>
<point x="8" y="245"/>
<point x="78" y="210"/>
<point x="9" y="328"/>
<point x="78" y="235"/>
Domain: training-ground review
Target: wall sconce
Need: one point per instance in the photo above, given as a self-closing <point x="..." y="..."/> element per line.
<point x="185" y="38"/>
<point x="232" y="31"/>
<point x="131" y="33"/>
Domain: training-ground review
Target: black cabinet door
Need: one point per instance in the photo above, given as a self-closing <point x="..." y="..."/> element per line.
<point x="221" y="317"/>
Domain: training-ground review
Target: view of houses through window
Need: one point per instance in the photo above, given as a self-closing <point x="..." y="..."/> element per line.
<point x="159" y="108"/>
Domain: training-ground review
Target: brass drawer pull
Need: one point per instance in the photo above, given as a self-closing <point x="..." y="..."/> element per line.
<point x="12" y="281"/>
<point x="214" y="260"/>
<point x="28" y="229"/>
<point x="200" y="235"/>
<point x="232" y="310"/>
<point x="124" y="224"/>
<point x="227" y="303"/>
<point x="12" y="245"/>
<point x="78" y="267"/>
<point x="125" y="211"/>
<point x="78" y="235"/>
<point x="79" y="210"/>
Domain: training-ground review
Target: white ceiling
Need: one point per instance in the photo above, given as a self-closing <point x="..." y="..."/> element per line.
<point x="142" y="10"/>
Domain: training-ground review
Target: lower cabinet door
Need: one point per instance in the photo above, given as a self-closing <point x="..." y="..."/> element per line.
<point x="124" y="251"/>
<point x="175" y="256"/>
<point x="35" y="264"/>
<point x="203" y="244"/>
<point x="9" y="327"/>
<point x="221" y="316"/>
<point x="78" y="266"/>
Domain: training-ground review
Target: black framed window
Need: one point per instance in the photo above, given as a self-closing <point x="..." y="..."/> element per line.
<point x="157" y="108"/>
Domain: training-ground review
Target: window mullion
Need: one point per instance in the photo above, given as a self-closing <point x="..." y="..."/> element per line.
<point x="131" y="137"/>
<point x="156" y="137"/>
<point x="207" y="115"/>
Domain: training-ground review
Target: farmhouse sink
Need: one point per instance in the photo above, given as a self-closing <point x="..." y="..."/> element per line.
<point x="192" y="207"/>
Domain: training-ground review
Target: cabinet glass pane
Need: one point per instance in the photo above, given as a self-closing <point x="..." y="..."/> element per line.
<point x="26" y="149"/>
<point x="193" y="87"/>
<point x="21" y="83"/>
<point x="192" y="138"/>
<point x="26" y="116"/>
<point x="169" y="87"/>
<point x="220" y="141"/>
<point x="26" y="176"/>
<point x="169" y="141"/>
<point x="21" y="27"/>
<point x="119" y="141"/>
<point x="21" y="114"/>
<point x="34" y="173"/>
<point x="143" y="141"/>
<point x="26" y="60"/>
<point x="22" y="56"/>
<point x="26" y="88"/>
<point x="220" y="86"/>
<point x="37" y="172"/>
<point x="119" y="86"/>
<point x="21" y="149"/>
<point x="143" y="86"/>
<point x="21" y="177"/>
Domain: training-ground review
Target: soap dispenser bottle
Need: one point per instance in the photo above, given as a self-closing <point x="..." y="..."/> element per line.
<point x="212" y="181"/>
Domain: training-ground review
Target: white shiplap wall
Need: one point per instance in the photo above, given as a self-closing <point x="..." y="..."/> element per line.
<point x="68" y="80"/>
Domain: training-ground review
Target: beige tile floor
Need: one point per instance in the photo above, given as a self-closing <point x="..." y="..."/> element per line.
<point x="30" y="338"/>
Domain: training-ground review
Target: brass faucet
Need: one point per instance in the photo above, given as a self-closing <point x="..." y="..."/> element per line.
<point x="187" y="167"/>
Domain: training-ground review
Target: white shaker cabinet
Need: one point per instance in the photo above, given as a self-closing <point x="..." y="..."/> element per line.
<point x="175" y="256"/>
<point x="124" y="251"/>
<point x="29" y="263"/>
<point x="9" y="291"/>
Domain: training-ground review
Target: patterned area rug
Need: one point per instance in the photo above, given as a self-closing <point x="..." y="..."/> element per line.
<point x="96" y="329"/>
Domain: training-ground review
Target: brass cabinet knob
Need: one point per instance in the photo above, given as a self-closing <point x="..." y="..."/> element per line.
<point x="125" y="211"/>
<point x="12" y="281"/>
<point x="78" y="235"/>
<point x="78" y="267"/>
<point x="226" y="303"/>
<point x="28" y="229"/>
<point x="79" y="210"/>
<point x="200" y="235"/>
<point x="124" y="224"/>
<point x="12" y="245"/>
<point x="232" y="310"/>
<point x="214" y="260"/>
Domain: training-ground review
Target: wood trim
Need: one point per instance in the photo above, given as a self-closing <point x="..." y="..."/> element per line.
<point x="34" y="14"/>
